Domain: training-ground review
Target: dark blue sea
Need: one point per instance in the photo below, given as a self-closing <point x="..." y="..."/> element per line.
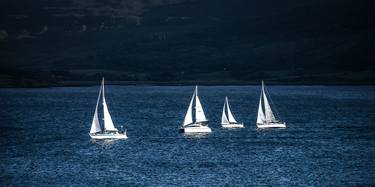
<point x="329" y="139"/>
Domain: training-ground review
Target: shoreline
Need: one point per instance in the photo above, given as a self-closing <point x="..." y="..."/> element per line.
<point x="187" y="83"/>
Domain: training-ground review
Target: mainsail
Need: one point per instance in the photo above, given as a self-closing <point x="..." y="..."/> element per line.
<point x="108" y="123"/>
<point x="267" y="108"/>
<point x="224" y="118"/>
<point x="260" y="118"/>
<point x="230" y="115"/>
<point x="199" y="113"/>
<point x="95" y="126"/>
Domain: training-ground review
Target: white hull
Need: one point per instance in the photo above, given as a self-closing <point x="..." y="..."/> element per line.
<point x="271" y="125"/>
<point x="195" y="128"/>
<point x="109" y="136"/>
<point x="233" y="125"/>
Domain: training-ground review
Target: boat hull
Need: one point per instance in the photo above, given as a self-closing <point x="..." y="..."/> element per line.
<point x="271" y="125"/>
<point x="109" y="136"/>
<point x="195" y="129"/>
<point x="233" y="125"/>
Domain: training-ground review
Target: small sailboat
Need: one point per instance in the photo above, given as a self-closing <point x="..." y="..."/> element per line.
<point x="227" y="118"/>
<point x="109" y="131"/>
<point x="266" y="118"/>
<point x="200" y="123"/>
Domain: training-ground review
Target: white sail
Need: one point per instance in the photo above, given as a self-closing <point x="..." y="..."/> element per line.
<point x="199" y="113"/>
<point x="108" y="123"/>
<point x="266" y="118"/>
<point x="189" y="114"/>
<point x="95" y="126"/>
<point x="224" y="118"/>
<point x="109" y="131"/>
<point x="267" y="108"/>
<point x="230" y="115"/>
<point x="260" y="118"/>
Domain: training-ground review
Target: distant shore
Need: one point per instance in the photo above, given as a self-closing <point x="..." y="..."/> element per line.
<point x="176" y="83"/>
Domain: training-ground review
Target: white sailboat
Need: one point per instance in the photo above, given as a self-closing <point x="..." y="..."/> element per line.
<point x="227" y="118"/>
<point x="109" y="131"/>
<point x="200" y="123"/>
<point x="266" y="118"/>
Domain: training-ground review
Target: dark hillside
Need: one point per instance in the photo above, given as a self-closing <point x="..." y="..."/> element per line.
<point x="63" y="42"/>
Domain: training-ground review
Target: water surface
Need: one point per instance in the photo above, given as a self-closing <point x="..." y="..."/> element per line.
<point x="329" y="139"/>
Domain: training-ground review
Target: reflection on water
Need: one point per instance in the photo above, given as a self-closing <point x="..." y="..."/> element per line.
<point x="106" y="143"/>
<point x="234" y="129"/>
<point x="196" y="135"/>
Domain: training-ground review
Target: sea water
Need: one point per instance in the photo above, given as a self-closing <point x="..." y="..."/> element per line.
<point x="329" y="139"/>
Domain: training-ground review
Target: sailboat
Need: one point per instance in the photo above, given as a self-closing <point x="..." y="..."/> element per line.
<point x="227" y="118"/>
<point x="199" y="125"/>
<point x="266" y="118"/>
<point x="109" y="131"/>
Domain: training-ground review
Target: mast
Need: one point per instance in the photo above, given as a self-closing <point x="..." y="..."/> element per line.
<point x="103" y="88"/>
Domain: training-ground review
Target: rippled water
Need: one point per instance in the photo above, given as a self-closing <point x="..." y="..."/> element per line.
<point x="329" y="140"/>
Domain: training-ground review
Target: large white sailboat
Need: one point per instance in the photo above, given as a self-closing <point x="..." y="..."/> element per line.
<point x="227" y="118"/>
<point x="266" y="118"/>
<point x="109" y="131"/>
<point x="199" y="125"/>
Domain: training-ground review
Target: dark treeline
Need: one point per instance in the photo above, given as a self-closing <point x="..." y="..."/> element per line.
<point x="218" y="42"/>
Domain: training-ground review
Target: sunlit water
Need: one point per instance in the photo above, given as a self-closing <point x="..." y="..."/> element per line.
<point x="329" y="139"/>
